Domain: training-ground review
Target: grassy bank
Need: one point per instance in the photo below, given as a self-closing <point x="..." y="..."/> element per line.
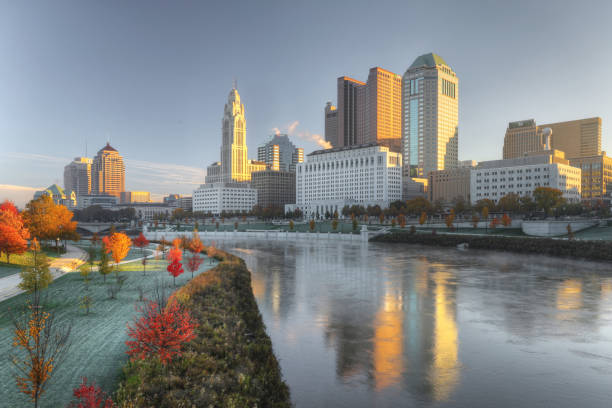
<point x="230" y="363"/>
<point x="591" y="250"/>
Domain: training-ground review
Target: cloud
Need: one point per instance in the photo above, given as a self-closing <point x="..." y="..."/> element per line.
<point x="163" y="177"/>
<point x="54" y="160"/>
<point x="305" y="135"/>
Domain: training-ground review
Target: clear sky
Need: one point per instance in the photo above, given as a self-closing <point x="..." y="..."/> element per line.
<point x="152" y="76"/>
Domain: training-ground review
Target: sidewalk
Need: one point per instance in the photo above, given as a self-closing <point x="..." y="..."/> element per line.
<point x="70" y="261"/>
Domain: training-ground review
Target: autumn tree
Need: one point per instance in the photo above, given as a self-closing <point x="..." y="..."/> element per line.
<point x="195" y="260"/>
<point x="334" y="224"/>
<point x="548" y="198"/>
<point x="570" y="232"/>
<point x="142" y="242"/>
<point x="485" y="213"/>
<point x="35" y="275"/>
<point x="291" y="225"/>
<point x="40" y="346"/>
<point x="160" y="332"/>
<point x="311" y="224"/>
<point x="475" y="220"/>
<point x="13" y="233"/>
<point x="494" y="223"/>
<point x="104" y="267"/>
<point x="393" y="222"/>
<point x="118" y="245"/>
<point x="355" y="224"/>
<point x="423" y="218"/>
<point x="401" y="219"/>
<point x="450" y="218"/>
<point x="90" y="396"/>
<point x="49" y="221"/>
<point x="506" y="220"/>
<point x="381" y="218"/>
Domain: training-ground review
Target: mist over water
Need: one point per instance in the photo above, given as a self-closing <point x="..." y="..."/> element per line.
<point x="360" y="325"/>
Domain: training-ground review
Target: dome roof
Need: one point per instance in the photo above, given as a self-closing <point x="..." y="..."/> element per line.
<point x="108" y="148"/>
<point x="428" y="60"/>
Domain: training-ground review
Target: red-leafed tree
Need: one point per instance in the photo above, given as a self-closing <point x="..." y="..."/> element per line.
<point x="175" y="254"/>
<point x="194" y="262"/>
<point x="13" y="233"/>
<point x="90" y="396"/>
<point x="160" y="334"/>
<point x="175" y="269"/>
<point x="142" y="242"/>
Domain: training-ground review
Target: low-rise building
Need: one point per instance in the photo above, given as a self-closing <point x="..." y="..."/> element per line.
<point x="148" y="211"/>
<point x="367" y="174"/>
<point x="596" y="176"/>
<point x="135" y="197"/>
<point x="275" y="189"/>
<point x="58" y="195"/>
<point x="103" y="200"/>
<point x="186" y="203"/>
<point x="220" y="197"/>
<point x="449" y="184"/>
<point x="413" y="187"/>
<point x="496" y="178"/>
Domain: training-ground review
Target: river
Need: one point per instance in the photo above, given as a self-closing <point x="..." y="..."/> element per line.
<point x="387" y="325"/>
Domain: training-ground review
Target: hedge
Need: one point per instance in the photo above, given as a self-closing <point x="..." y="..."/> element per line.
<point x="230" y="363"/>
<point x="591" y="250"/>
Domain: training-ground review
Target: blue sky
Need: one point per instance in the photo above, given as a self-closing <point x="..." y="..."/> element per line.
<point x="152" y="76"/>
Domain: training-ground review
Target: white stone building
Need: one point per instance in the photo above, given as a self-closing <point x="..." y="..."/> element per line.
<point x="367" y="174"/>
<point x="229" y="197"/>
<point x="496" y="178"/>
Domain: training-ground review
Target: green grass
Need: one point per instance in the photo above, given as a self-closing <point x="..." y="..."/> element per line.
<point x="98" y="339"/>
<point x="18" y="260"/>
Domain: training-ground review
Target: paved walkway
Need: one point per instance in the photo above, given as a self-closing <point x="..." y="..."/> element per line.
<point x="70" y="261"/>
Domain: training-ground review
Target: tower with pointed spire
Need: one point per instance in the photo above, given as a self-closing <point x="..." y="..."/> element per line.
<point x="234" y="161"/>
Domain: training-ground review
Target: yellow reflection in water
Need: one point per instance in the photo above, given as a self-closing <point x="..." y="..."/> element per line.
<point x="444" y="373"/>
<point x="569" y="295"/>
<point x="388" y="340"/>
<point x="258" y="286"/>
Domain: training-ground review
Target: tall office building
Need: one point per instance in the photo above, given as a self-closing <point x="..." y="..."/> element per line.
<point x="575" y="138"/>
<point x="351" y="111"/>
<point x="430" y="116"/>
<point x="77" y="176"/>
<point x="280" y="154"/>
<point x="234" y="162"/>
<point x="383" y="114"/>
<point x="108" y="172"/>
<point x="331" y="124"/>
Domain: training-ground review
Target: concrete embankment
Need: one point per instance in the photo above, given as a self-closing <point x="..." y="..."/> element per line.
<point x="591" y="250"/>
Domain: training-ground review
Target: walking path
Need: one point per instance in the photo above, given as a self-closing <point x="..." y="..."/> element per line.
<point x="70" y="261"/>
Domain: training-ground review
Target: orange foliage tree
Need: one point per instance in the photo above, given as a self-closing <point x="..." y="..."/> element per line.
<point x="423" y="218"/>
<point x="450" y="218"/>
<point x="118" y="245"/>
<point x="13" y="233"/>
<point x="402" y="220"/>
<point x="506" y="220"/>
<point x="40" y="347"/>
<point x="494" y="223"/>
<point x="49" y="221"/>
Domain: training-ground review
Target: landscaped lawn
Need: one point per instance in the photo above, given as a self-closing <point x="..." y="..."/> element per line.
<point x="17" y="261"/>
<point x="98" y="339"/>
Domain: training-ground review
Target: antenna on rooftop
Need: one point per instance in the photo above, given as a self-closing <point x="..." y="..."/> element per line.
<point x="235" y="83"/>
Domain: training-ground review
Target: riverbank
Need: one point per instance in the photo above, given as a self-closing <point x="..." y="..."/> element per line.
<point x="229" y="363"/>
<point x="591" y="250"/>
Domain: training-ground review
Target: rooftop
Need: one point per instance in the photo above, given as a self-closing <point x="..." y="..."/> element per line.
<point x="428" y="60"/>
<point x="343" y="148"/>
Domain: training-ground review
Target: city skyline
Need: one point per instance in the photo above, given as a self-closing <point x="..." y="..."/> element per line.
<point x="144" y="82"/>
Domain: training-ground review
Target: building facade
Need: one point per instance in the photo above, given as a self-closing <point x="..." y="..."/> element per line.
<point x="450" y="184"/>
<point x="213" y="173"/>
<point x="331" y="124"/>
<point x="274" y="188"/>
<point x="577" y="138"/>
<point x="234" y="161"/>
<point x="383" y="113"/>
<point x="367" y="174"/>
<point x="58" y="195"/>
<point x="280" y="154"/>
<point x="108" y="172"/>
<point x="148" y="211"/>
<point x="496" y="178"/>
<point x="430" y="116"/>
<point x="103" y="200"/>
<point x="77" y="176"/>
<point x="351" y="111"/>
<point x="224" y="197"/>
<point x="596" y="176"/>
<point x="135" y="197"/>
<point x="523" y="137"/>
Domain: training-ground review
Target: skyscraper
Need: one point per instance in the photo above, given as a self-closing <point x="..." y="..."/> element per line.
<point x="522" y="137"/>
<point x="430" y="116"/>
<point x="331" y="124"/>
<point x="108" y="172"/>
<point x="351" y="111"/>
<point x="280" y="154"/>
<point x="77" y="176"/>
<point x="234" y="162"/>
<point x="383" y="116"/>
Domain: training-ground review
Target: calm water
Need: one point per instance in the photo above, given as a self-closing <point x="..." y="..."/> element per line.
<point x="360" y="325"/>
